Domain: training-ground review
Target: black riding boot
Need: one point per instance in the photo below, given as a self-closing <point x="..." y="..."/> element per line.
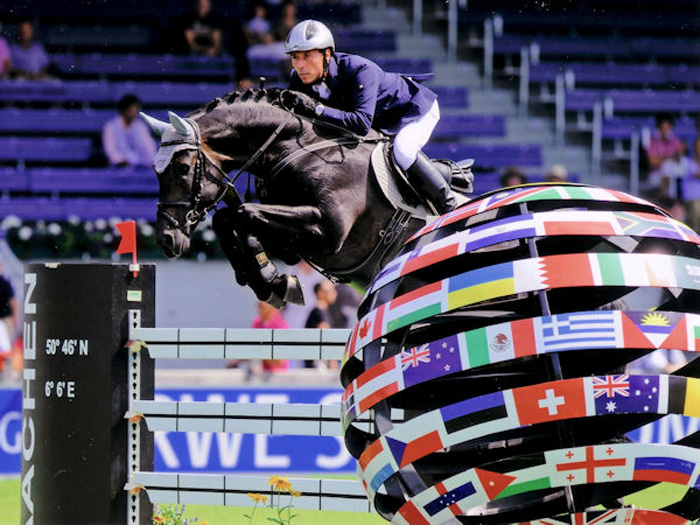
<point x="428" y="178"/>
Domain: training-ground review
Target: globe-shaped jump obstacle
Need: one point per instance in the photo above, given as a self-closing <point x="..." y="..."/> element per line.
<point x="490" y="358"/>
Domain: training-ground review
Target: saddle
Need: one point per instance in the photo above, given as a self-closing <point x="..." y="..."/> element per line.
<point x="403" y="195"/>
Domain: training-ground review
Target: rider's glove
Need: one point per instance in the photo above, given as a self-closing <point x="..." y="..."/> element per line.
<point x="300" y="103"/>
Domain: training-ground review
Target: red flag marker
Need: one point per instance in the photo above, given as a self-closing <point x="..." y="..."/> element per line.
<point x="128" y="243"/>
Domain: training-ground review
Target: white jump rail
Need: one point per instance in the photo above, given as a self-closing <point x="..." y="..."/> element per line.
<point x="248" y="418"/>
<point x="232" y="490"/>
<point x="243" y="343"/>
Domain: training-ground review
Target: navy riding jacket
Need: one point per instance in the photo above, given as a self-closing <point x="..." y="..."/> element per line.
<point x="362" y="96"/>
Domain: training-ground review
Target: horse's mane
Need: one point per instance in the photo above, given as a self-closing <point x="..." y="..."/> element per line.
<point x="268" y="96"/>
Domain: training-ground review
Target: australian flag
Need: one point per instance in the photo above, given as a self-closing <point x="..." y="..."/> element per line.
<point x="431" y="360"/>
<point x="626" y="394"/>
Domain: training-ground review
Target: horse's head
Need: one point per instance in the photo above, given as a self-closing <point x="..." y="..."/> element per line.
<point x="190" y="181"/>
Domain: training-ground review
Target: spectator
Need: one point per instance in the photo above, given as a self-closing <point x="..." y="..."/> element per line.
<point x="556" y="173"/>
<point x="270" y="317"/>
<point x="9" y="315"/>
<point x="203" y="29"/>
<point x="665" y="155"/>
<point x="693" y="187"/>
<point x="5" y="57"/>
<point x="344" y="310"/>
<point x="126" y="139"/>
<point x="288" y="19"/>
<point x="29" y="58"/>
<point x="512" y="176"/>
<point x="258" y="31"/>
<point x="320" y="316"/>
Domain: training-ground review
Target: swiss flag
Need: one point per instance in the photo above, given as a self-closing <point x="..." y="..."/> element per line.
<point x="550" y="401"/>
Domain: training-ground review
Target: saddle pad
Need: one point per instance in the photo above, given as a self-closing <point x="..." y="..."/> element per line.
<point x="387" y="183"/>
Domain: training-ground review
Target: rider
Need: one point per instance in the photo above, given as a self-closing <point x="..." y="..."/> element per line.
<point x="355" y="93"/>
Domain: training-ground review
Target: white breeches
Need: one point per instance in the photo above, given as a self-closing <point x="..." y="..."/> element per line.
<point x="412" y="137"/>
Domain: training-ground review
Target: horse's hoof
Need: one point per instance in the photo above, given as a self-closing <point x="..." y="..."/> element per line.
<point x="276" y="301"/>
<point x="293" y="293"/>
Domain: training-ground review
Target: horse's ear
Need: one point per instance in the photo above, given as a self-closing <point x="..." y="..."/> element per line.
<point x="157" y="126"/>
<point x="180" y="124"/>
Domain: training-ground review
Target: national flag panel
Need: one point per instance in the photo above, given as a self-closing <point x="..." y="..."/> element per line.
<point x="476" y="411"/>
<point x="592" y="464"/>
<point x="449" y="498"/>
<point x="479" y="285"/>
<point x="550" y="401"/>
<point x="579" y="330"/>
<point x="436" y="359"/>
<point x="628" y="394"/>
<point x="663" y="468"/>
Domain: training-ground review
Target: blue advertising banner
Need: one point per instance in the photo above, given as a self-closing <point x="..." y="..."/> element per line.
<point x="208" y="452"/>
<point x="10" y="431"/>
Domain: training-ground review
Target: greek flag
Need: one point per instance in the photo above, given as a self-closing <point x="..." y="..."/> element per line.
<point x="578" y="331"/>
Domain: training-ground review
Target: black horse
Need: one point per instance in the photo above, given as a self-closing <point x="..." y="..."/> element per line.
<point x="319" y="198"/>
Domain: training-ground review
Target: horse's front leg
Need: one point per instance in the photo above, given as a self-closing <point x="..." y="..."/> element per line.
<point x="289" y="227"/>
<point x="298" y="226"/>
<point x="250" y="262"/>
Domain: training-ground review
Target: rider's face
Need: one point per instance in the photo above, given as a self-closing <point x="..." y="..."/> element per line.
<point x="308" y="65"/>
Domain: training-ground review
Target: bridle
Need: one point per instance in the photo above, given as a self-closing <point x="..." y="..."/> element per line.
<point x="227" y="190"/>
<point x="196" y="214"/>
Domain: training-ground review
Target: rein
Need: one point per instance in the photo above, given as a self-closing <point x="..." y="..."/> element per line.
<point x="226" y="184"/>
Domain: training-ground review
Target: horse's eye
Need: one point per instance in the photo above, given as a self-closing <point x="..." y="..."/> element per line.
<point x="181" y="169"/>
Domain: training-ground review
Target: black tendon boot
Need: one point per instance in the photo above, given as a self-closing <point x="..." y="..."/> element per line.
<point x="428" y="178"/>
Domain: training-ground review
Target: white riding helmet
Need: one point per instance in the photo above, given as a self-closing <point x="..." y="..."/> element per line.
<point x="308" y="35"/>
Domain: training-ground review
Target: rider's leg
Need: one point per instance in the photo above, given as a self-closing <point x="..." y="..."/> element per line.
<point x="407" y="145"/>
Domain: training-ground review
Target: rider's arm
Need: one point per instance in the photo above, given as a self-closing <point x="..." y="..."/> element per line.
<point x="361" y="104"/>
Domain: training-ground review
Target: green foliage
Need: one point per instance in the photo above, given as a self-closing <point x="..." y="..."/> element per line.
<point x="98" y="239"/>
<point x="172" y="515"/>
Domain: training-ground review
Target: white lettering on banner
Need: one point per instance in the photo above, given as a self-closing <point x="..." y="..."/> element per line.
<point x="334" y="462"/>
<point x="29" y="306"/>
<point x="28" y="451"/>
<point x="199" y="448"/>
<point x="29" y="330"/>
<point x="16" y="446"/>
<point x="262" y="459"/>
<point x="28" y="401"/>
<point x="229" y="448"/>
<point x="27" y="491"/>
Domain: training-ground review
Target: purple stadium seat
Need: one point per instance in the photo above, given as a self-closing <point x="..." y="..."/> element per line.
<point x="53" y="121"/>
<point x="46" y="208"/>
<point x="452" y="96"/>
<point x="115" y="181"/>
<point x="365" y="40"/>
<point x="583" y="99"/>
<point x="12" y="179"/>
<point x="455" y="126"/>
<point x="406" y="66"/>
<point x="493" y="156"/>
<point x="648" y="101"/>
<point x="40" y="149"/>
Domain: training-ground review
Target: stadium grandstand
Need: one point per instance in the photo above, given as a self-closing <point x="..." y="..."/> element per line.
<point x="528" y="84"/>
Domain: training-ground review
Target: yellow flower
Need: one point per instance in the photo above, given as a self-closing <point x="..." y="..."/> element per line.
<point x="284" y="485"/>
<point x="274" y="480"/>
<point x="257" y="498"/>
<point x="294" y="493"/>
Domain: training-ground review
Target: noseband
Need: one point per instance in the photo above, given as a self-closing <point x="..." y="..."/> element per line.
<point x="195" y="214"/>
